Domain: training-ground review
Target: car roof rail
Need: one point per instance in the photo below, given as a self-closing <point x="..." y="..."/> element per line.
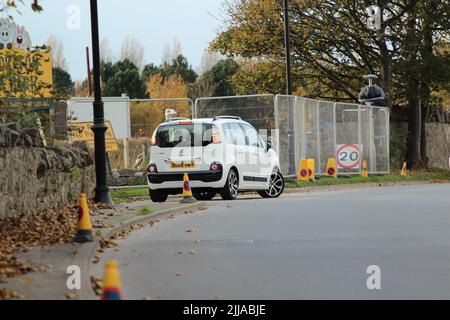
<point x="227" y="117"/>
<point x="177" y="119"/>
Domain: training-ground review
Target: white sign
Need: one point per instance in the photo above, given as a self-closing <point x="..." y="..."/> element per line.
<point x="117" y="110"/>
<point x="348" y="156"/>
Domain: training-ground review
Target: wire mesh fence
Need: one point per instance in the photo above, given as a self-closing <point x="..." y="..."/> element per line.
<point x="298" y="127"/>
<point x="147" y="114"/>
<point x="308" y="128"/>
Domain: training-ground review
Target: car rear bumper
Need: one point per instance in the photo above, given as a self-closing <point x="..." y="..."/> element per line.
<point x="202" y="176"/>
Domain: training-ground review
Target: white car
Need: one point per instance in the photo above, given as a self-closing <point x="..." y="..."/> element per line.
<point x="221" y="155"/>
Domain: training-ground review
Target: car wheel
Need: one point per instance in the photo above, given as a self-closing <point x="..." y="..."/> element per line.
<point x="205" y="195"/>
<point x="230" y="191"/>
<point x="158" y="196"/>
<point x="276" y="186"/>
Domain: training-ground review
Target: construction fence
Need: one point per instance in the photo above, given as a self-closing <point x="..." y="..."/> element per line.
<point x="298" y="127"/>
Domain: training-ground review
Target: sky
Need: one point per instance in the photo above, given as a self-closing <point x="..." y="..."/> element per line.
<point x="154" y="23"/>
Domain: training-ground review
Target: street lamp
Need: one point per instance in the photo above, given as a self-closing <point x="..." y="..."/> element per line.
<point x="290" y="130"/>
<point x="99" y="127"/>
<point x="287" y="47"/>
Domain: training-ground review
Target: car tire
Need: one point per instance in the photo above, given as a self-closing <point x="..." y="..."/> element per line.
<point x="158" y="196"/>
<point x="205" y="195"/>
<point x="230" y="190"/>
<point x="276" y="186"/>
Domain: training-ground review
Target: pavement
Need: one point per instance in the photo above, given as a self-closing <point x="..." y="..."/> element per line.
<point x="317" y="245"/>
<point x="49" y="282"/>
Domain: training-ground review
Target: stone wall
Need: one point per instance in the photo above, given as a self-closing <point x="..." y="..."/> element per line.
<point x="34" y="178"/>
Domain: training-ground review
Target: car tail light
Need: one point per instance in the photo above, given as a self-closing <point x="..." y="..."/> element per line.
<point x="152" y="169"/>
<point x="215" y="166"/>
<point x="215" y="138"/>
<point x="153" y="141"/>
<point x="215" y="135"/>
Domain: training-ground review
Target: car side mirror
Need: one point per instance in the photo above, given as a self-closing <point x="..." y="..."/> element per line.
<point x="268" y="145"/>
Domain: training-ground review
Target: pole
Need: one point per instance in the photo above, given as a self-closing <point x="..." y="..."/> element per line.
<point x="88" y="72"/>
<point x="290" y="130"/>
<point x="287" y="47"/>
<point x="99" y="127"/>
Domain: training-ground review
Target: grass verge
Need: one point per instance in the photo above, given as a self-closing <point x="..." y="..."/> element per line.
<point x="128" y="194"/>
<point x="432" y="175"/>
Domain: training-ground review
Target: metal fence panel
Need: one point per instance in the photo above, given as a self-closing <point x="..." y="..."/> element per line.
<point x="147" y="114"/>
<point x="326" y="134"/>
<point x="381" y="139"/>
<point x="348" y="128"/>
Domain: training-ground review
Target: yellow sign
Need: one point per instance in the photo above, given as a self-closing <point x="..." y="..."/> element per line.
<point x="20" y="67"/>
<point x="81" y="131"/>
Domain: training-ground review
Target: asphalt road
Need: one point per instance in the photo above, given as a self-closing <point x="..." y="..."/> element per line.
<point x="301" y="246"/>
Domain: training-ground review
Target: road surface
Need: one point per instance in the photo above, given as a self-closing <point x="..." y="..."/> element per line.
<point x="301" y="246"/>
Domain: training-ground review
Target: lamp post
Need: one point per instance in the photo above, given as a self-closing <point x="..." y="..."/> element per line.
<point x="99" y="127"/>
<point x="287" y="47"/>
<point x="290" y="129"/>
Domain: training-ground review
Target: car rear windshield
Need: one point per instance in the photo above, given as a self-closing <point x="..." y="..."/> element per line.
<point x="184" y="135"/>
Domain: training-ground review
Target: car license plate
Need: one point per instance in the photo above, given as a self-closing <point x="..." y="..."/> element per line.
<point x="182" y="165"/>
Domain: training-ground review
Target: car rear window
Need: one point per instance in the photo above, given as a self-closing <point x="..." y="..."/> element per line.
<point x="184" y="135"/>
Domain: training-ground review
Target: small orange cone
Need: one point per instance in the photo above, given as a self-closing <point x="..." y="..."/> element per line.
<point x="302" y="174"/>
<point x="84" y="233"/>
<point x="404" y="173"/>
<point x="111" y="282"/>
<point x="364" y="169"/>
<point x="311" y="165"/>
<point x="187" y="192"/>
<point x="331" y="168"/>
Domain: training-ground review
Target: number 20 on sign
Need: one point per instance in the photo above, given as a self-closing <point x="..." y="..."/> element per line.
<point x="348" y="156"/>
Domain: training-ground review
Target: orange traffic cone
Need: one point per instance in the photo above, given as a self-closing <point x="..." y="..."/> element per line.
<point x="364" y="169"/>
<point x="111" y="282"/>
<point x="311" y="169"/>
<point x="187" y="192"/>
<point x="84" y="233"/>
<point x="404" y="173"/>
<point x="331" y="168"/>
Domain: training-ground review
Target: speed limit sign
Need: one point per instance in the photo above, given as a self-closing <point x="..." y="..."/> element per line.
<point x="348" y="156"/>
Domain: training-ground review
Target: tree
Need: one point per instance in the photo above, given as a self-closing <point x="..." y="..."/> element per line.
<point x="220" y="76"/>
<point x="179" y="66"/>
<point x="105" y="51"/>
<point x="123" y="77"/>
<point x="208" y="60"/>
<point x="329" y="64"/>
<point x="172" y="87"/>
<point x="62" y="83"/>
<point x="201" y="88"/>
<point x="57" y="48"/>
<point x="133" y="51"/>
<point x="12" y="4"/>
<point x="149" y="71"/>
<point x="171" y="52"/>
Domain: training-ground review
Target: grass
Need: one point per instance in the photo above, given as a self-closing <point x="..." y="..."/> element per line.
<point x="144" y="211"/>
<point x="433" y="175"/>
<point x="127" y="195"/>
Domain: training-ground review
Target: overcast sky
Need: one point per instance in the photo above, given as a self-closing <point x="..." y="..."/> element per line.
<point x="153" y="22"/>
